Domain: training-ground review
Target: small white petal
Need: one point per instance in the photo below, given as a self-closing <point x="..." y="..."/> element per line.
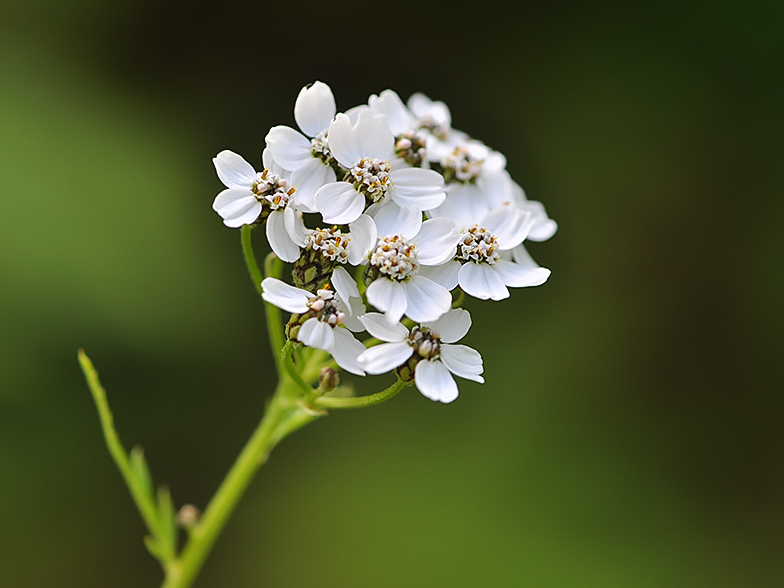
<point x="279" y="239"/>
<point x="464" y="204"/>
<point x="363" y="234"/>
<point x="385" y="357"/>
<point x="509" y="224"/>
<point x="482" y="281"/>
<point x="423" y="188"/>
<point x="436" y="241"/>
<point x="434" y="381"/>
<point x="426" y="300"/>
<point x="522" y="257"/>
<point x="452" y="326"/>
<point x="344" y="284"/>
<point x="373" y="136"/>
<point x="392" y="219"/>
<point x="339" y="203"/>
<point x="289" y="149"/>
<point x="317" y="334"/>
<point x="347" y="350"/>
<point x="307" y="179"/>
<point x="389" y="296"/>
<point x="389" y="103"/>
<point x="520" y="276"/>
<point x="423" y="107"/>
<point x="295" y="226"/>
<point x="233" y="170"/>
<point x="237" y="207"/>
<point x="444" y="274"/>
<point x="284" y="296"/>
<point x="379" y="326"/>
<point x="314" y="108"/>
<point x="463" y="361"/>
<point x="342" y="141"/>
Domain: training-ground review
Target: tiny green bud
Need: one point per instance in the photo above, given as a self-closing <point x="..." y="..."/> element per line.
<point x="328" y="379"/>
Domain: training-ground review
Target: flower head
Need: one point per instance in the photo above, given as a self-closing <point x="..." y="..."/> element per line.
<point x="425" y="353"/>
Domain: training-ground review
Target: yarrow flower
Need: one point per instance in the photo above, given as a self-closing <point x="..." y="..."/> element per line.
<point x="425" y="353"/>
<point x="384" y="207"/>
<point x="320" y="318"/>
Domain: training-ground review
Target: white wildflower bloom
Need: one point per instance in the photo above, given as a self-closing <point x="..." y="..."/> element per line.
<point x="480" y="268"/>
<point x="430" y="346"/>
<point x="250" y="194"/>
<point x="307" y="156"/>
<point x="396" y="197"/>
<point x="397" y="287"/>
<point x="322" y="329"/>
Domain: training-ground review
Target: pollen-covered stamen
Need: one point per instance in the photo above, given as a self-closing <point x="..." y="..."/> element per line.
<point x="319" y="147"/>
<point x="426" y="343"/>
<point x="331" y="243"/>
<point x="461" y="166"/>
<point x="271" y="190"/>
<point x="477" y="245"/>
<point x="324" y="306"/>
<point x="371" y="177"/>
<point x="394" y="258"/>
<point x="410" y="147"/>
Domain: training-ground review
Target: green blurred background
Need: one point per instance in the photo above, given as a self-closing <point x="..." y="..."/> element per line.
<point x="630" y="430"/>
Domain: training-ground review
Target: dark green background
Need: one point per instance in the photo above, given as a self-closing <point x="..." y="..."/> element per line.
<point x="630" y="432"/>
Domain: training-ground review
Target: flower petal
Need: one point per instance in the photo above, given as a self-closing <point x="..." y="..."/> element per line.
<point x="339" y="203"/>
<point x="307" y="179"/>
<point x="314" y="108"/>
<point x="295" y="226"/>
<point x="452" y="325"/>
<point x="288" y="148"/>
<point x="434" y="381"/>
<point x="423" y="188"/>
<point x="279" y="239"/>
<point x="385" y="357"/>
<point x="284" y="296"/>
<point x="373" y="136"/>
<point x="444" y="274"/>
<point x="436" y="241"/>
<point x="509" y="224"/>
<point x="389" y="103"/>
<point x="426" y="300"/>
<point x="233" y="170"/>
<point x="520" y="276"/>
<point x="363" y="234"/>
<point x="379" y="326"/>
<point x="344" y="284"/>
<point x="392" y="219"/>
<point x="237" y="207"/>
<point x="317" y="334"/>
<point x="463" y="361"/>
<point x="342" y="141"/>
<point x="347" y="350"/>
<point x="482" y="281"/>
<point x="389" y="296"/>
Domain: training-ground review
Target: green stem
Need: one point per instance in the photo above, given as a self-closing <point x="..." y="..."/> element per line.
<point x="281" y="418"/>
<point x="327" y="402"/>
<point x="250" y="258"/>
<point x="272" y="268"/>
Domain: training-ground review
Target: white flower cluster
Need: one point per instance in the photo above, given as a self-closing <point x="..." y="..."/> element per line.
<point x="418" y="208"/>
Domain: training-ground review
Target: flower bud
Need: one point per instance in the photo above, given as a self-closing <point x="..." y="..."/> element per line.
<point x="328" y="379"/>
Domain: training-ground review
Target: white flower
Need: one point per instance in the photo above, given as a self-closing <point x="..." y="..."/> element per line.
<point x="307" y="157"/>
<point x="249" y="194"/>
<point x="480" y="267"/>
<point x="410" y="141"/>
<point x="322" y="330"/>
<point x="544" y="227"/>
<point x="397" y="287"/>
<point x="431" y="347"/>
<point x="397" y="196"/>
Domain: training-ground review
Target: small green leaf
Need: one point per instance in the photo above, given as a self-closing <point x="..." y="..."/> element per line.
<point x="167" y="523"/>
<point x="141" y="471"/>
